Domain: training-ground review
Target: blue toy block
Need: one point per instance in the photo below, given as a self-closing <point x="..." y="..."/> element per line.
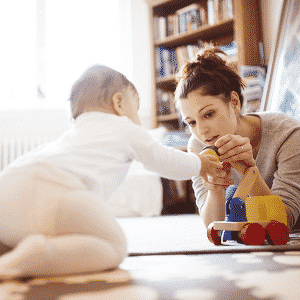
<point x="235" y="211"/>
<point x="229" y="192"/>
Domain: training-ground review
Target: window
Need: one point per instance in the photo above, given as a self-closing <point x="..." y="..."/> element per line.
<point x="49" y="43"/>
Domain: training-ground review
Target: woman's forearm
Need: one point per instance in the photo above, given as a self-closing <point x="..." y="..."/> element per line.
<point x="214" y="207"/>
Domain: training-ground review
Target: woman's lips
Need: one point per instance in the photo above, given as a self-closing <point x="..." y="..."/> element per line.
<point x="212" y="140"/>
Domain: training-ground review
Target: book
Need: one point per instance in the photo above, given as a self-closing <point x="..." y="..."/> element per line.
<point x="173" y="61"/>
<point x="219" y="10"/>
<point x="162" y="103"/>
<point x="165" y="104"/>
<point x="162" y="25"/>
<point x="189" y="22"/>
<point x="193" y="19"/>
<point x="203" y="15"/>
<point x="229" y="8"/>
<point x="173" y="109"/>
<point x="225" y="9"/>
<point x="211" y="12"/>
<point x="182" y="56"/>
<point x="176" y="24"/>
<point x="192" y="50"/>
<point x="166" y="62"/>
<point x="160" y="67"/>
<point x="182" y="22"/>
<point x="156" y="33"/>
<point x="170" y="25"/>
<point x="222" y="10"/>
<point x="165" y="56"/>
<point x="188" y="8"/>
<point x="189" y="18"/>
<point x="230" y="49"/>
<point x="253" y="71"/>
<point x="254" y="79"/>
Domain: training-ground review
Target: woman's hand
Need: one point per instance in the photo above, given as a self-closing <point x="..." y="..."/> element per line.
<point x="237" y="151"/>
<point x="216" y="175"/>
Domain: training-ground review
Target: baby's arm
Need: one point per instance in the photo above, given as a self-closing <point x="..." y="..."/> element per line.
<point x="215" y="183"/>
<point x="173" y="163"/>
<point x="168" y="162"/>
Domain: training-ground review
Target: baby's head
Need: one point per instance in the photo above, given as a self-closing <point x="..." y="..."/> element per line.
<point x="103" y="89"/>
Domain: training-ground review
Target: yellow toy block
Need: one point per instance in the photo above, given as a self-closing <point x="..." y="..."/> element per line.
<point x="265" y="209"/>
<point x="211" y="152"/>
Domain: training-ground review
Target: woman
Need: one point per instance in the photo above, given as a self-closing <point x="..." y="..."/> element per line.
<point x="209" y="97"/>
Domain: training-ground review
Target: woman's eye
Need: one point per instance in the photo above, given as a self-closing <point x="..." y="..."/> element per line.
<point x="209" y="114"/>
<point x="191" y="123"/>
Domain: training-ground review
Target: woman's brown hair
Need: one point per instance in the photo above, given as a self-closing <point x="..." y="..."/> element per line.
<point x="212" y="72"/>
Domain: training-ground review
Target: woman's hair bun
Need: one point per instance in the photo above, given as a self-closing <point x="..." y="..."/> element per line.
<point x="211" y="58"/>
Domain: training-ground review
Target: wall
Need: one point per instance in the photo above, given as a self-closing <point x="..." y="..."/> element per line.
<point x="136" y="13"/>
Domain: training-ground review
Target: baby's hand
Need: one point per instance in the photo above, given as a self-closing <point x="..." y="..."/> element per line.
<point x="215" y="175"/>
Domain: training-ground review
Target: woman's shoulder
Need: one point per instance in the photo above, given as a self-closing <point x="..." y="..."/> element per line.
<point x="277" y="122"/>
<point x="277" y="129"/>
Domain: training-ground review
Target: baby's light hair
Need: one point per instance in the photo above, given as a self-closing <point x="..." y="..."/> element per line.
<point x="95" y="88"/>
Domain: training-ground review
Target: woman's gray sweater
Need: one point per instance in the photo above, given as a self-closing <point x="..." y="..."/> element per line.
<point x="278" y="160"/>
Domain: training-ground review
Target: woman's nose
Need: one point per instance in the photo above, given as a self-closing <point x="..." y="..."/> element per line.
<point x="202" y="130"/>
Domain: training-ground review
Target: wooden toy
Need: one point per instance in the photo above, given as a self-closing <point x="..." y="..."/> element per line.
<point x="250" y="220"/>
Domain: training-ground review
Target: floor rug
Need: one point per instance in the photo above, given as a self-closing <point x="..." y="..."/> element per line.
<point x="183" y="234"/>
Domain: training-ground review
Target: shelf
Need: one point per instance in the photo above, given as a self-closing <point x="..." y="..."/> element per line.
<point x="166" y="7"/>
<point x="165" y="79"/>
<point x="243" y="29"/>
<point x="166" y="83"/>
<point x="169" y="117"/>
<point x="205" y="32"/>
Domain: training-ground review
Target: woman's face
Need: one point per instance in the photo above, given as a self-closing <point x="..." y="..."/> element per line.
<point x="208" y="117"/>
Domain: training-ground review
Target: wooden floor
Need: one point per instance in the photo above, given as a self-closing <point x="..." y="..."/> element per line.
<point x="153" y="272"/>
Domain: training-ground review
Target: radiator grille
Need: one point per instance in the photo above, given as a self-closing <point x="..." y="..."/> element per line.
<point x="23" y="130"/>
<point x="12" y="148"/>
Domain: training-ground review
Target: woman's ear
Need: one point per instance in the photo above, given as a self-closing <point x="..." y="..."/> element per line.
<point x="118" y="103"/>
<point x="235" y="100"/>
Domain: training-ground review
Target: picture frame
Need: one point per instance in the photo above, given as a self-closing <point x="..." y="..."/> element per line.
<point x="282" y="87"/>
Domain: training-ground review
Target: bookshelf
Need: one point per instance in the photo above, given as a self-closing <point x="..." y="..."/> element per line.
<point x="221" y="22"/>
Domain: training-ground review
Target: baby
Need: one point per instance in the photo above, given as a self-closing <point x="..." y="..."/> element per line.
<point x="53" y="212"/>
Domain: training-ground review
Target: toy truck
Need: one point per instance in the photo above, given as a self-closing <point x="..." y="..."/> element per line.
<point x="250" y="220"/>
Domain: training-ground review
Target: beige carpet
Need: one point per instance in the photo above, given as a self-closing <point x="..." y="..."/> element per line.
<point x="183" y="234"/>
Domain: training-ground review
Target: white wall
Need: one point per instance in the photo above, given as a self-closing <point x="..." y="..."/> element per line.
<point x="141" y="62"/>
<point x="270" y="16"/>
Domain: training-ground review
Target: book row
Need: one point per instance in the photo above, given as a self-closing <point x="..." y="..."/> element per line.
<point x="253" y="76"/>
<point x="192" y="17"/>
<point x="170" y="61"/>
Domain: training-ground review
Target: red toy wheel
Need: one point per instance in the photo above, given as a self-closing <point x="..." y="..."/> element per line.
<point x="252" y="234"/>
<point x="213" y="235"/>
<point x="277" y="233"/>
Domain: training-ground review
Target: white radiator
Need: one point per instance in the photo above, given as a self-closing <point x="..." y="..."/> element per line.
<point x="22" y="131"/>
<point x="12" y="148"/>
